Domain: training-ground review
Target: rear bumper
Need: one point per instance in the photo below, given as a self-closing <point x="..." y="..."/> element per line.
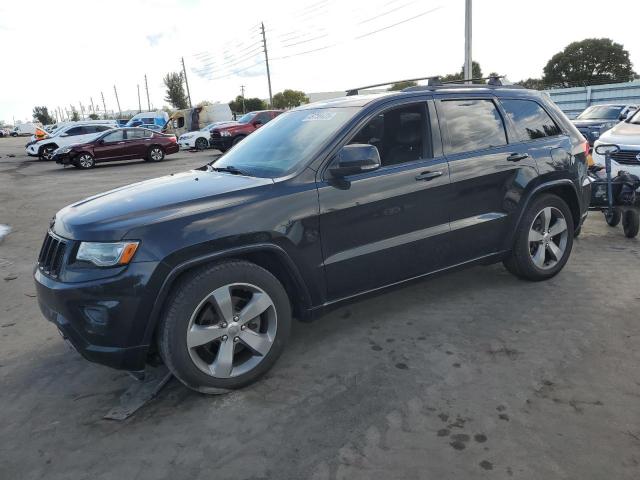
<point x="172" y="148"/>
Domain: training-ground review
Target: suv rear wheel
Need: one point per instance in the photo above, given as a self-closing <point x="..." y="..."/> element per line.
<point x="543" y="240"/>
<point x="224" y="326"/>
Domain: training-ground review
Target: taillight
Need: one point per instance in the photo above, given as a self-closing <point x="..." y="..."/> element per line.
<point x="585" y="146"/>
<point x="173" y="139"/>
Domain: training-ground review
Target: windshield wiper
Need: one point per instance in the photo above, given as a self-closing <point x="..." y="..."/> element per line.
<point x="230" y="169"/>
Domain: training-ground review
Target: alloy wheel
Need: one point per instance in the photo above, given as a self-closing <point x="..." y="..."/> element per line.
<point x="156" y="154"/>
<point x="47" y="153"/>
<point x="85" y="161"/>
<point x="548" y="236"/>
<point x="232" y="330"/>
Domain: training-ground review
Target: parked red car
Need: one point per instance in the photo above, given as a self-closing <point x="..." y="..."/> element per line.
<point x="118" y="144"/>
<point x="227" y="135"/>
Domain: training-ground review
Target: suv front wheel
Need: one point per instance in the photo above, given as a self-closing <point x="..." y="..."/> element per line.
<point x="224" y="326"/>
<point x="543" y="240"/>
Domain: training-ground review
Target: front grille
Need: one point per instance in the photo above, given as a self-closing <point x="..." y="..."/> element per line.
<point x="626" y="157"/>
<point x="51" y="256"/>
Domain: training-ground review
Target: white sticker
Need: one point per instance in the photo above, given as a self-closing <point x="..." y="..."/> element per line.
<point x="319" y="116"/>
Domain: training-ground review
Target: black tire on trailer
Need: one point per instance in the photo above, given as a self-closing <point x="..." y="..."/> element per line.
<point x="613" y="218"/>
<point x="631" y="223"/>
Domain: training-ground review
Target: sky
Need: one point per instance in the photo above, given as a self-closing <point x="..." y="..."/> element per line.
<point x="67" y="52"/>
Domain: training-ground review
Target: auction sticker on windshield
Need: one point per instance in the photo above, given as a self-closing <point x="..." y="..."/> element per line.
<point x="319" y="116"/>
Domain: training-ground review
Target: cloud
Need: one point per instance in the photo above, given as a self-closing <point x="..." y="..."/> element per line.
<point x="154" y="38"/>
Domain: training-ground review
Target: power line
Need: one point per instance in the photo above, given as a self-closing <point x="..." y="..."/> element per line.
<point x="399" y="23"/>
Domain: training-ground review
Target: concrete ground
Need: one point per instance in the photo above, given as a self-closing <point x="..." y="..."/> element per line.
<point x="471" y="375"/>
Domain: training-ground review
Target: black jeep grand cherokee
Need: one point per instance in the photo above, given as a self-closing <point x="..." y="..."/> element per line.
<point x="325" y="203"/>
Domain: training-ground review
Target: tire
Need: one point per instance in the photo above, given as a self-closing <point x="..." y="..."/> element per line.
<point x="155" y="154"/>
<point x="46" y="152"/>
<point x="612" y="219"/>
<point x="13" y="134"/>
<point x="527" y="260"/>
<point x="630" y="223"/>
<point x="237" y="140"/>
<point x="201" y="366"/>
<point x="202" y="144"/>
<point x="84" y="161"/>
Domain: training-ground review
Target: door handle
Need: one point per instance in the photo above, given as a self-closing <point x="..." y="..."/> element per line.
<point x="516" y="157"/>
<point x="426" y="176"/>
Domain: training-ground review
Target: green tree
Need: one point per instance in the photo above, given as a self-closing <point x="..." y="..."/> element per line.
<point x="401" y="86"/>
<point x="250" y="104"/>
<point x="289" y="99"/>
<point x="41" y="114"/>
<point x="176" y="95"/>
<point x="476" y="72"/>
<point x="588" y="62"/>
<point x="94" y="116"/>
<point x="74" y="114"/>
<point x="532" y="83"/>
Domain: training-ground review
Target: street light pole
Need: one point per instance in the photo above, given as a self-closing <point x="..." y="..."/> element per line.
<point x="468" y="63"/>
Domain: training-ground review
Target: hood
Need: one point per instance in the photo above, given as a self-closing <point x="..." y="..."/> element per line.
<point x="109" y="216"/>
<point x="228" y="126"/>
<point x="622" y="134"/>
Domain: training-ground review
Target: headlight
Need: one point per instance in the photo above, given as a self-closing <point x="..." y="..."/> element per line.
<point x="107" y="254"/>
<point x="187" y="135"/>
<point x="225" y="133"/>
<point x="63" y="150"/>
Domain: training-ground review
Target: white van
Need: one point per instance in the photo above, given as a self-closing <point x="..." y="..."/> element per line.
<point x="25" y="129"/>
<point x="68" y="135"/>
<point x="193" y="119"/>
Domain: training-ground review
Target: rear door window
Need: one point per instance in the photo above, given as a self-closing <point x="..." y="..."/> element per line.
<point x="135" y="134"/>
<point x="530" y="120"/>
<point x="473" y="124"/>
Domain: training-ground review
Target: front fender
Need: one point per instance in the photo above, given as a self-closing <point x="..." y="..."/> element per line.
<point x="177" y="270"/>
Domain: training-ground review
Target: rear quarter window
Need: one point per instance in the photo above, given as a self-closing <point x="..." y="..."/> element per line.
<point x="530" y="120"/>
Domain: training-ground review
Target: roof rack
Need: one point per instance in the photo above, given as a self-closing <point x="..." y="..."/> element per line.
<point x="434" y="83"/>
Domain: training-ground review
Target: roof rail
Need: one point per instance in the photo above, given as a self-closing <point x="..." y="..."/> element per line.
<point x="355" y="91"/>
<point x="434" y="82"/>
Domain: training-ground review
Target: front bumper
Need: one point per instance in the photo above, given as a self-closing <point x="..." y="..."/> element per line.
<point x="187" y="143"/>
<point x="105" y="320"/>
<point x="63" y="158"/>
<point x="32" y="150"/>
<point x="221" y="143"/>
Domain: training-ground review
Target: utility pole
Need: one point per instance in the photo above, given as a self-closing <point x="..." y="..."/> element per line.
<point x="184" y="71"/>
<point x="117" y="101"/>
<point x="244" y="110"/>
<point x="147" y="87"/>
<point x="104" y="105"/>
<point x="139" y="104"/>
<point x="468" y="63"/>
<point x="266" y="57"/>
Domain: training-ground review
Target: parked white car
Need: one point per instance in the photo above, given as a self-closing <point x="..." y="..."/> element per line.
<point x="65" y="136"/>
<point x="198" y="139"/>
<point x="626" y="135"/>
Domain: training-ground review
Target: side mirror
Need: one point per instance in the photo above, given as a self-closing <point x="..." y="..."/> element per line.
<point x="607" y="149"/>
<point x="355" y="158"/>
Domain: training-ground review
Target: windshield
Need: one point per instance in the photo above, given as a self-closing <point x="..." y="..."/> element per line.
<point x="601" y="112"/>
<point x="287" y="142"/>
<point x="635" y="119"/>
<point x="246" y="118"/>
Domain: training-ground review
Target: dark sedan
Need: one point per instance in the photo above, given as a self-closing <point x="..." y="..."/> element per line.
<point x="118" y="144"/>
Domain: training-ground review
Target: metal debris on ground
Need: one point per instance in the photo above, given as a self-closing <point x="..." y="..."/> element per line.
<point x="141" y="392"/>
